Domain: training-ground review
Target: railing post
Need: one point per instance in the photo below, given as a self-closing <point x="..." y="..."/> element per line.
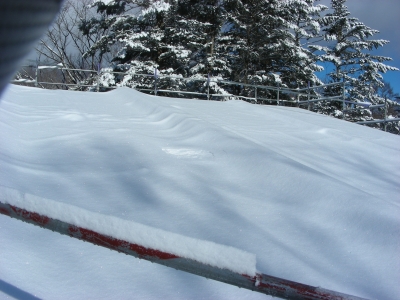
<point x="385" y="113"/>
<point x="208" y="87"/>
<point x="277" y="95"/>
<point x="308" y="96"/>
<point x="344" y="98"/>
<point x="98" y="78"/>
<point x="255" y="93"/>
<point x="36" y="75"/>
<point x="155" y="81"/>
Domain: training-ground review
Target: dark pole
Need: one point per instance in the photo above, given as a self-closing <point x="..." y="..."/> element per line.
<point x="259" y="282"/>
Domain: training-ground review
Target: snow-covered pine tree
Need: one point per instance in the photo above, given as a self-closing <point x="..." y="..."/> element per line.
<point x="178" y="37"/>
<point x="349" y="51"/>
<point x="107" y="14"/>
<point x="304" y="18"/>
<point x="192" y="31"/>
<point x="244" y="29"/>
<point x="140" y="36"/>
<point x="252" y="32"/>
<point x="269" y="42"/>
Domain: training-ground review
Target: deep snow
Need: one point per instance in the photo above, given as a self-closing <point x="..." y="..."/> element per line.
<point x="316" y="199"/>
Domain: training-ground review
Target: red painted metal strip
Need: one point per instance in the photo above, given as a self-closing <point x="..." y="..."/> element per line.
<point x="34" y="217"/>
<point x="83" y="234"/>
<point x="116" y="244"/>
<point x="262" y="283"/>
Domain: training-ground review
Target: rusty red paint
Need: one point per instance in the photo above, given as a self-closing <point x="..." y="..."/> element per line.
<point x="116" y="244"/>
<point x="31" y="216"/>
<point x="5" y="211"/>
<point x="254" y="278"/>
<point x="306" y="290"/>
<point x="301" y="288"/>
<point x="273" y="287"/>
<point x="142" y="251"/>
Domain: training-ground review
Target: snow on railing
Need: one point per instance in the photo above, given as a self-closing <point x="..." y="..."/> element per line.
<point x="278" y="89"/>
<point x="304" y="92"/>
<point x="207" y="259"/>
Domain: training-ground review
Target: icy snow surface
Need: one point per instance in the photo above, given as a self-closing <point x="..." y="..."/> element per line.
<point x="316" y="199"/>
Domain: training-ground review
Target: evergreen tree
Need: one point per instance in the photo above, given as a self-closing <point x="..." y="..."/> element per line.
<point x="196" y="25"/>
<point x="195" y="28"/>
<point x="266" y="42"/>
<point x="251" y="25"/>
<point x="140" y="38"/>
<point x="178" y="37"/>
<point x="304" y="19"/>
<point x="269" y="42"/>
<point x="349" y="50"/>
<point x="255" y="34"/>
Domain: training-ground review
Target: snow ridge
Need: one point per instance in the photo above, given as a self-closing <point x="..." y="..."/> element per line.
<point x="210" y="253"/>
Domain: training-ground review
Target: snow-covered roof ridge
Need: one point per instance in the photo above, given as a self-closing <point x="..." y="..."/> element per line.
<point x="206" y="252"/>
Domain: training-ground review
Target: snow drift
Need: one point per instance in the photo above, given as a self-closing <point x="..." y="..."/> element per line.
<point x="314" y="198"/>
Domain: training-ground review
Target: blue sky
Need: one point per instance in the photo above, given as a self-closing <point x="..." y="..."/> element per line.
<point x="382" y="15"/>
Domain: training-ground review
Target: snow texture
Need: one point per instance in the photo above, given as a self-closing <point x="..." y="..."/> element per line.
<point x="316" y="199"/>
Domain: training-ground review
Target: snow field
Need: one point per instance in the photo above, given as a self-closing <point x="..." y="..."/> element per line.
<point x="314" y="198"/>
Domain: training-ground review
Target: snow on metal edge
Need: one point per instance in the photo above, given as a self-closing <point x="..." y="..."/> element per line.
<point x="207" y="252"/>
